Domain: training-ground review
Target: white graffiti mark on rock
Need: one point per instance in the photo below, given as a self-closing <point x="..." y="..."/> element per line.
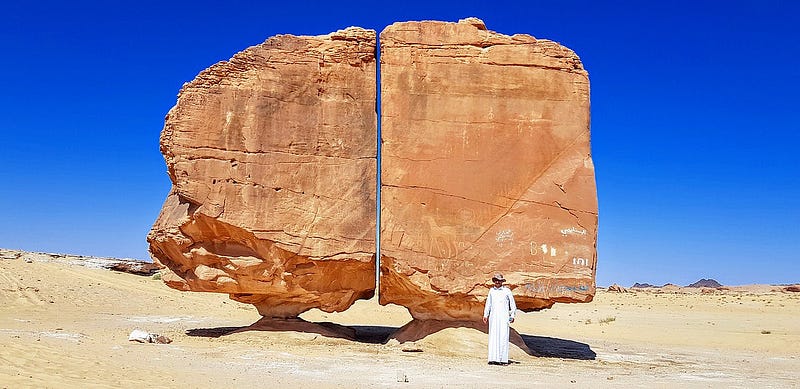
<point x="504" y="236"/>
<point x="573" y="231"/>
<point x="535" y="288"/>
<point x="534" y="248"/>
<point x="580" y="261"/>
<point x="559" y="289"/>
<point x="567" y="289"/>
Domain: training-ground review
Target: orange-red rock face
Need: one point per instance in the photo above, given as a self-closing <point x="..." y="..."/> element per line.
<point x="272" y="156"/>
<point x="486" y="167"/>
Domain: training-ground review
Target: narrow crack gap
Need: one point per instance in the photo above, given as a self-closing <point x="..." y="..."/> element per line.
<point x="379" y="148"/>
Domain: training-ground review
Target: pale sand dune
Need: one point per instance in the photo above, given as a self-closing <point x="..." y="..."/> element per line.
<point x="64" y="325"/>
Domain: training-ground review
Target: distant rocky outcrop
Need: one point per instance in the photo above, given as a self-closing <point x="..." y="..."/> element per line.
<point x="792" y="288"/>
<point x="486" y="167"/>
<point x="643" y="286"/>
<point x="131" y="266"/>
<point x="705" y="283"/>
<point x="618" y="289"/>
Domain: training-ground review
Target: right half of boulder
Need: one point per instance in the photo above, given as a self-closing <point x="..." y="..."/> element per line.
<point x="486" y="167"/>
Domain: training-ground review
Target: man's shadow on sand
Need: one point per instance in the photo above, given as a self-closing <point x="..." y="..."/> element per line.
<point x="539" y="346"/>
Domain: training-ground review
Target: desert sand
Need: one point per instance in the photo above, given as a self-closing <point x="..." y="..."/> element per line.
<point x="64" y="324"/>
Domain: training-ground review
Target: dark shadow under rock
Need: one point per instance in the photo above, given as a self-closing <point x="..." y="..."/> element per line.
<point x="373" y="334"/>
<point x="330" y="330"/>
<point x="415" y="330"/>
<point x="542" y="346"/>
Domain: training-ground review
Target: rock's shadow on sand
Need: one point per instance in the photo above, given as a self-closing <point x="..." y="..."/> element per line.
<point x="542" y="346"/>
<point x="363" y="334"/>
<point x="538" y="346"/>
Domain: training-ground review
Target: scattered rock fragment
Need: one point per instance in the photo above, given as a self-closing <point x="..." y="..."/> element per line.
<point x="146" y="337"/>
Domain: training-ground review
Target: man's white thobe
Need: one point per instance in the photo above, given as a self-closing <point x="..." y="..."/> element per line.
<point x="500" y="307"/>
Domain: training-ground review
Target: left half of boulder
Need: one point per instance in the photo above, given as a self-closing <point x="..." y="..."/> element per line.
<point x="272" y="158"/>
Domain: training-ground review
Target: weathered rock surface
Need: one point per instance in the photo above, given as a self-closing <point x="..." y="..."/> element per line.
<point x="272" y="157"/>
<point x="486" y="167"/>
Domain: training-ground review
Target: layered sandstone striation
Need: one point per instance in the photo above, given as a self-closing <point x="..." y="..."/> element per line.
<point x="272" y="157"/>
<point x="486" y="167"/>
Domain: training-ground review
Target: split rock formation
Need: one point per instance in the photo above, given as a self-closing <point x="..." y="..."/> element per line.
<point x="486" y="167"/>
<point x="272" y="158"/>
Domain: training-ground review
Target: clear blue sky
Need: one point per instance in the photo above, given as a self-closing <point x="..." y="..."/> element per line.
<point x="695" y="125"/>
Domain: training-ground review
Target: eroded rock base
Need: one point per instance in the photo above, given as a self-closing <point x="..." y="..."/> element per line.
<point x="219" y="257"/>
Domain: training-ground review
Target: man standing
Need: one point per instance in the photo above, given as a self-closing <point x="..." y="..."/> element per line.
<point x="499" y="312"/>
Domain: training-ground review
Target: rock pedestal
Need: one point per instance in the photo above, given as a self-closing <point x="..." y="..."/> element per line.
<point x="486" y="167"/>
<point x="272" y="157"/>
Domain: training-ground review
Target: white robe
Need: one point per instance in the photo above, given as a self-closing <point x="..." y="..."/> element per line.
<point x="500" y="307"/>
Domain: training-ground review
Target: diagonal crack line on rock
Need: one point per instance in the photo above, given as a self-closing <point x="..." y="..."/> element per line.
<point x="533" y="182"/>
<point x="424" y="119"/>
<point x="313" y="221"/>
<point x="536" y="66"/>
<point x="348" y="239"/>
<point x="557" y="205"/>
<point x="257" y="185"/>
<point x="441" y="193"/>
<point x="414" y="159"/>
<point x="420" y="252"/>
<point x="270" y="163"/>
<point x="338" y="254"/>
<point x="577" y="219"/>
<point x="256" y="152"/>
<point x="455" y="94"/>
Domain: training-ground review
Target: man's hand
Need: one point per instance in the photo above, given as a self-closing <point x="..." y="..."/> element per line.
<point x="485" y="320"/>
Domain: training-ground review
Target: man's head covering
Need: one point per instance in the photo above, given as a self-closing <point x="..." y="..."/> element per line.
<point x="498" y="277"/>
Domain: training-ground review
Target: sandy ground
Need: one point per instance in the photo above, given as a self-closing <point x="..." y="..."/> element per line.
<point x="65" y="325"/>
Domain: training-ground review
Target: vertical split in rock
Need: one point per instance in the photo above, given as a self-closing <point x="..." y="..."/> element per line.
<point x="272" y="157"/>
<point x="486" y="167"/>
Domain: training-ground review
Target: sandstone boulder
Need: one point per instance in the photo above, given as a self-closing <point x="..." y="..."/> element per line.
<point x="486" y="167"/>
<point x="272" y="158"/>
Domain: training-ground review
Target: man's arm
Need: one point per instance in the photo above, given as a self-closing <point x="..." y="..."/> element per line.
<point x="512" y="306"/>
<point x="487" y="308"/>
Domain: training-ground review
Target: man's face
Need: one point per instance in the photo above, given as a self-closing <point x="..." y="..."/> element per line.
<point x="498" y="283"/>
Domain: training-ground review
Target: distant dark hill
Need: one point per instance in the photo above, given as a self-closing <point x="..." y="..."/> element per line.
<point x="705" y="283"/>
<point x="645" y="285"/>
